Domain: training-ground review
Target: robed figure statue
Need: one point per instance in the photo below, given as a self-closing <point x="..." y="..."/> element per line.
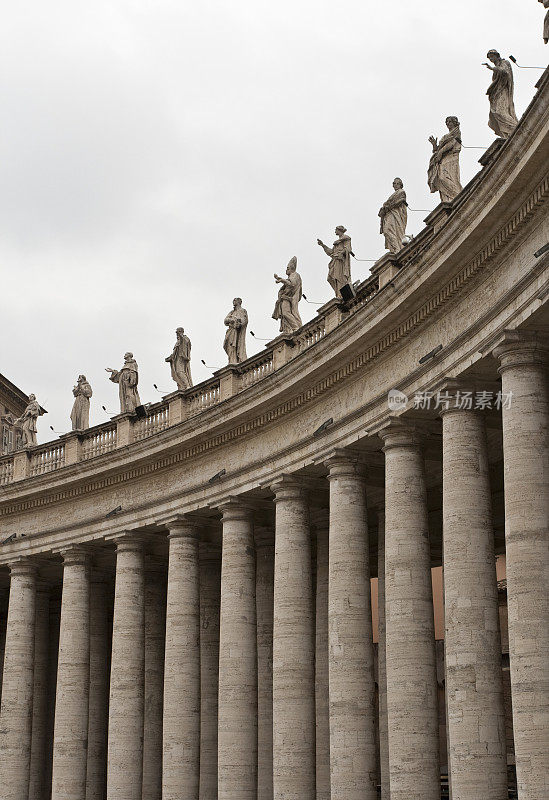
<point x="27" y="421"/>
<point x="394" y="217"/>
<point x="127" y="379"/>
<point x="545" y="22"/>
<point x="180" y="360"/>
<point x="443" y="175"/>
<point x="287" y="305"/>
<point x="235" y="338"/>
<point x="339" y="268"/>
<point x="503" y="119"/>
<point x="80" y="414"/>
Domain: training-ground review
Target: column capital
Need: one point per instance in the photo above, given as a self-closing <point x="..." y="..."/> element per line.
<point x="288" y="487"/>
<point x="397" y="433"/>
<point x="23" y="566"/>
<point x="127" y="540"/>
<point x="344" y="463"/>
<point x="516" y="348"/>
<point x="74" y="555"/>
<point x="183" y="527"/>
<point x="233" y="508"/>
<point x="459" y="396"/>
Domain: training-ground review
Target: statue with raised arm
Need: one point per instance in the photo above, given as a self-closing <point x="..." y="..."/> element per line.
<point x="127" y="379"/>
<point x="80" y="414"/>
<point x="443" y="175"/>
<point x="503" y="119"/>
<point x="339" y="268"/>
<point x="394" y="217"/>
<point x="27" y="421"/>
<point x="287" y="305"/>
<point x="546" y="21"/>
<point x="235" y="337"/>
<point x="180" y="360"/>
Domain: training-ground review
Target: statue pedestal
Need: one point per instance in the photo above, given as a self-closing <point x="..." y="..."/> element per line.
<point x="332" y="311"/>
<point x="386" y="268"/>
<point x="282" y="348"/>
<point x="73" y="446"/>
<point x="229" y="381"/>
<point x="124" y="429"/>
<point x="438" y="216"/>
<point x="21" y="465"/>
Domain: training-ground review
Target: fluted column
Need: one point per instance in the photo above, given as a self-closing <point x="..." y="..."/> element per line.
<point x="155" y="641"/>
<point x="17" y="686"/>
<point x="210" y="596"/>
<point x="351" y="652"/>
<point x="524" y="376"/>
<point x="322" y="702"/>
<point x="126" y="706"/>
<point x="474" y="691"/>
<point x="181" y="753"/>
<point x="264" y="605"/>
<point x="237" y="747"/>
<point x="39" y="748"/>
<point x="410" y="638"/>
<point x="293" y="648"/>
<point x="100" y="601"/>
<point x="382" y="661"/>
<point x="70" y="737"/>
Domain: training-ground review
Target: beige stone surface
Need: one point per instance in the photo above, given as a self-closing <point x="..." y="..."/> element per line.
<point x="322" y="692"/>
<point x="181" y="732"/>
<point x="382" y="661"/>
<point x="353" y="768"/>
<point x="444" y="173"/>
<point x="155" y="642"/>
<point x="40" y="732"/>
<point x="100" y="601"/>
<point x="210" y="596"/>
<point x="265" y="612"/>
<point x="394" y="217"/>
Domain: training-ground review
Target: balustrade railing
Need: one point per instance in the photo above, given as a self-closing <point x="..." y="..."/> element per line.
<point x="203" y="396"/>
<point x="312" y="333"/>
<point x="98" y="442"/>
<point x="47" y="458"/>
<point x="261" y="366"/>
<point x="6" y="471"/>
<point x="156" y="420"/>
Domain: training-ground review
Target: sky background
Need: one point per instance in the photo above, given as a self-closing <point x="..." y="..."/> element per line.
<point x="158" y="158"/>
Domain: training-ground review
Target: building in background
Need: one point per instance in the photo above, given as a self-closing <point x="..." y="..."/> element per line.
<point x="12" y="404"/>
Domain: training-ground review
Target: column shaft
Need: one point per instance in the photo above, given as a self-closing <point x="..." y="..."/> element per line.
<point x="264" y="603"/>
<point x="181" y="767"/>
<point x="237" y="747"/>
<point x="155" y="642"/>
<point x="410" y="639"/>
<point x="322" y="696"/>
<point x="100" y="606"/>
<point x="70" y="738"/>
<point x="476" y="722"/>
<point x="18" y="682"/>
<point x="351" y="653"/>
<point x="126" y="707"/>
<point x="39" y="748"/>
<point x="382" y="661"/>
<point x="210" y="596"/>
<point x="294" y="731"/>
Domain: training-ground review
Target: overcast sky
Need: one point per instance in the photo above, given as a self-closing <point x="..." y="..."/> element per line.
<point x="158" y="158"/>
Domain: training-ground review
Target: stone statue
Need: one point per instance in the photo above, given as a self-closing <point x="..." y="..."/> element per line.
<point x="80" y="414"/>
<point x="443" y="175"/>
<point x="127" y="379"/>
<point x="27" y="422"/>
<point x="339" y="268"/>
<point x="503" y="119"/>
<point x="287" y="306"/>
<point x="235" y="338"/>
<point x="546" y="22"/>
<point x="394" y="216"/>
<point x="180" y="360"/>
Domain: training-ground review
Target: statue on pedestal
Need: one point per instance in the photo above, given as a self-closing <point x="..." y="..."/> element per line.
<point x="287" y="305"/>
<point x="27" y="421"/>
<point x="503" y="119"/>
<point x="546" y="21"/>
<point x="443" y="175"/>
<point x="235" y="338"/>
<point x="180" y="360"/>
<point x="394" y="216"/>
<point x="339" y="268"/>
<point x="80" y="414"/>
<point x="127" y="379"/>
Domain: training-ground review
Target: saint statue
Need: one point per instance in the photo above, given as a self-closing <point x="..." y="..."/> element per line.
<point x="546" y="22"/>
<point x="287" y="306"/>
<point x="180" y="360"/>
<point x="443" y="175"/>
<point x="339" y="268"/>
<point x="394" y="216"/>
<point x="80" y="414"/>
<point x="127" y="379"/>
<point x="503" y="119"/>
<point x="27" y="422"/>
<point x="235" y="338"/>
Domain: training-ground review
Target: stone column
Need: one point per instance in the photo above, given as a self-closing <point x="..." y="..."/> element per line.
<point x="210" y="596"/>
<point x="3" y="621"/>
<point x="353" y="764"/>
<point x="39" y="748"/>
<point x="414" y="771"/>
<point x="322" y="701"/>
<point x="70" y="737"/>
<point x="237" y="747"/>
<point x="155" y="642"/>
<point x="264" y="604"/>
<point x="382" y="663"/>
<point x="181" y="752"/>
<point x="523" y="369"/>
<point x="474" y="692"/>
<point x="18" y="681"/>
<point x="55" y="627"/>
<point x="126" y="707"/>
<point x="100" y="604"/>
<point x="293" y="648"/>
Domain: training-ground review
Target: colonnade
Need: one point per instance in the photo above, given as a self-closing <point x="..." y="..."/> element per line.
<point x="250" y="675"/>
